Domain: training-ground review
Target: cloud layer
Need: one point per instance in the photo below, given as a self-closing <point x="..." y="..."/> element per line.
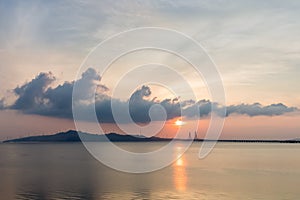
<point x="38" y="97"/>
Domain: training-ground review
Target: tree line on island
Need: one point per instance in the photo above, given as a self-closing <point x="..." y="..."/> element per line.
<point x="78" y="136"/>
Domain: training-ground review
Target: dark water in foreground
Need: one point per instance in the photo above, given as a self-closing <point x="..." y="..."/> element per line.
<point x="231" y="171"/>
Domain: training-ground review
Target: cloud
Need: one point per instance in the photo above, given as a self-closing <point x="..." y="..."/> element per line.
<point x="139" y="107"/>
<point x="38" y="97"/>
<point x="31" y="95"/>
<point x="2" y="106"/>
<point x="257" y="109"/>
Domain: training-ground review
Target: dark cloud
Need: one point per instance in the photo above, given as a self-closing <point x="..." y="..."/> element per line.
<point x="257" y="109"/>
<point x="38" y="97"/>
<point x="2" y="105"/>
<point x="31" y="94"/>
<point x="139" y="106"/>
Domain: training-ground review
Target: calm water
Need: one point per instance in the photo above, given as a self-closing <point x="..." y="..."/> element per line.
<point x="231" y="171"/>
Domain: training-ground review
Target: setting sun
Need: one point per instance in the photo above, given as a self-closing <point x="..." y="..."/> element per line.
<point x="179" y="123"/>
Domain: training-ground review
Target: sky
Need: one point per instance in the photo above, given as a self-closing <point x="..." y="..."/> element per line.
<point x="254" y="44"/>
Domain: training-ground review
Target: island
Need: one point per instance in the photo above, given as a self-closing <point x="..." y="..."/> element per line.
<point x="78" y="136"/>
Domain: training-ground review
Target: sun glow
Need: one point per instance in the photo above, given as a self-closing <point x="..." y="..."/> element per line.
<point x="179" y="123"/>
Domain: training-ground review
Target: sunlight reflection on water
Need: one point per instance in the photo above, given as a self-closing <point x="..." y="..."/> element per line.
<point x="232" y="171"/>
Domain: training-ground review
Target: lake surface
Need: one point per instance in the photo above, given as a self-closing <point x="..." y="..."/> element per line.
<point x="231" y="171"/>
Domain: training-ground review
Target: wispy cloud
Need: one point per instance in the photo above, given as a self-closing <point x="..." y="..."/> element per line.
<point x="254" y="43"/>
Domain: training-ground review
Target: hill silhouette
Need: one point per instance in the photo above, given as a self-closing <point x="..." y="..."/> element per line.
<point x="78" y="136"/>
<point x="75" y="136"/>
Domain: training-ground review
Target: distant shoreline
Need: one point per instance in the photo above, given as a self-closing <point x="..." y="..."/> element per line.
<point x="157" y="141"/>
<point x="72" y="136"/>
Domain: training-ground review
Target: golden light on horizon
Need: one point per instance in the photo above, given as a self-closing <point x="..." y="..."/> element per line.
<point x="179" y="122"/>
